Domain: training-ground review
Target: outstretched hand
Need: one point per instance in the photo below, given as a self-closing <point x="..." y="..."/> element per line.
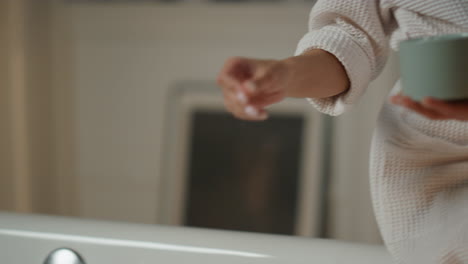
<point x="250" y="85"/>
<point x="435" y="109"/>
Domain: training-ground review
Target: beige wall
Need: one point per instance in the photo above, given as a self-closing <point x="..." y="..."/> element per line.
<point x="39" y="103"/>
<point x="6" y="183"/>
<point x="26" y="175"/>
<point x="125" y="59"/>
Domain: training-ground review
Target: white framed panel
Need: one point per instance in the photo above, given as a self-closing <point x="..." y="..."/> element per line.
<point x="190" y="96"/>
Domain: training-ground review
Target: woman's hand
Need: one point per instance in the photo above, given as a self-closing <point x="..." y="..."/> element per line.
<point x="250" y="85"/>
<point x="435" y="109"/>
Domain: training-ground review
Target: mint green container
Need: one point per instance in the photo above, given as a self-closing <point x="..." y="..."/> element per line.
<point x="435" y="67"/>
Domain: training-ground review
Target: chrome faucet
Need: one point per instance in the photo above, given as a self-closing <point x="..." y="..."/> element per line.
<point x="64" y="256"/>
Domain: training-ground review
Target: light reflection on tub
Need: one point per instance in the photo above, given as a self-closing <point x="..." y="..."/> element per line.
<point x="129" y="243"/>
<point x="30" y="238"/>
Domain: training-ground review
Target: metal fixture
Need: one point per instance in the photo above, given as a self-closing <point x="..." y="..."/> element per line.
<point x="64" y="256"/>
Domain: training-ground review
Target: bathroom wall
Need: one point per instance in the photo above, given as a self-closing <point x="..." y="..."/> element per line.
<point x="25" y="98"/>
<point x="39" y="98"/>
<point x="125" y="60"/>
<point x="6" y="181"/>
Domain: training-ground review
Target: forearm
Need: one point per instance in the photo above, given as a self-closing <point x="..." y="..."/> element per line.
<point x="315" y="74"/>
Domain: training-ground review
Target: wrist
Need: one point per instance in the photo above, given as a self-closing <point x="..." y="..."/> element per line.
<point x="315" y="74"/>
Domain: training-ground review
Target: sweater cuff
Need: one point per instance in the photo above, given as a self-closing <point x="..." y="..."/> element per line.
<point x="356" y="62"/>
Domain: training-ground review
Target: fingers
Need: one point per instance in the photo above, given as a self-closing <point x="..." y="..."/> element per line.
<point x="266" y="79"/>
<point x="453" y="110"/>
<point x="250" y="106"/>
<point x="234" y="72"/>
<point x="242" y="110"/>
<point x="249" y="86"/>
<point x="252" y="76"/>
<point x="435" y="109"/>
<point x="263" y="101"/>
<point x="265" y="87"/>
<point x="417" y="107"/>
<point x="228" y="83"/>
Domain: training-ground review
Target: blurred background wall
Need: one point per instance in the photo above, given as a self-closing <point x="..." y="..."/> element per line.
<point x="26" y="114"/>
<point x="6" y="184"/>
<point x="83" y="100"/>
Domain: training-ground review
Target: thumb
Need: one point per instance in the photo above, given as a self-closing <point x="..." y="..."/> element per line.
<point x="235" y="71"/>
<point x="263" y="78"/>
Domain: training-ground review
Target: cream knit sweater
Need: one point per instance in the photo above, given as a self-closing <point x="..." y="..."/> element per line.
<point x="419" y="167"/>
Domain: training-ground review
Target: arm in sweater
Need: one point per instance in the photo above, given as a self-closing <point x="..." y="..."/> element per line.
<point x="345" y="48"/>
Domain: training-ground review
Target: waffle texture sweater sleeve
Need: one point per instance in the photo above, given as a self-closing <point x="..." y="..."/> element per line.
<point x="357" y="34"/>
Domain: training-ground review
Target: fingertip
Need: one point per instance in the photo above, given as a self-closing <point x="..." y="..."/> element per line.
<point x="255" y="113"/>
<point x="433" y="102"/>
<point x="263" y="115"/>
<point x="251" y="111"/>
<point x="241" y="97"/>
<point x="396" y="99"/>
<point x="427" y="101"/>
<point x="250" y="86"/>
<point x="404" y="100"/>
